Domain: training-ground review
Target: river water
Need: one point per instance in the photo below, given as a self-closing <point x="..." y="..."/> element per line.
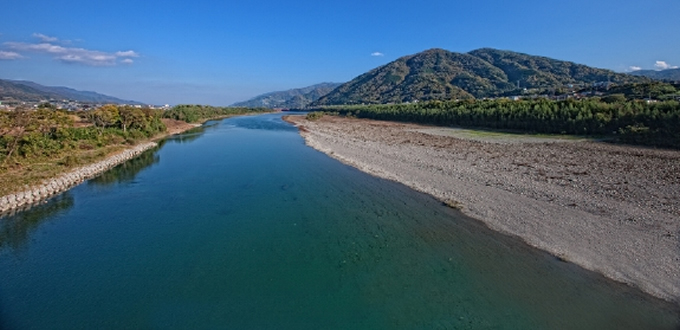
<point x="239" y="225"/>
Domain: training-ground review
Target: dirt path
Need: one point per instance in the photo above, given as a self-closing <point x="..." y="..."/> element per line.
<point x="177" y="126"/>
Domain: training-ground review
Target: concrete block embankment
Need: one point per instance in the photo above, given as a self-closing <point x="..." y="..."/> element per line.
<point x="65" y="181"/>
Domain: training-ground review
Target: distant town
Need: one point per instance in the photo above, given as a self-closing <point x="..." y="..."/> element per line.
<point x="8" y="103"/>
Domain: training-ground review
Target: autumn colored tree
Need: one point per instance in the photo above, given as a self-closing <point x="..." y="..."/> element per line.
<point x="103" y="117"/>
<point x="18" y="125"/>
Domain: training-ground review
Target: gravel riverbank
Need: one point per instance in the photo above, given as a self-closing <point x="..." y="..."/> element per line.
<point x="608" y="208"/>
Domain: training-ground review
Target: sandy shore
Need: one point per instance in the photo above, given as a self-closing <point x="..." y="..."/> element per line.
<point x="611" y="209"/>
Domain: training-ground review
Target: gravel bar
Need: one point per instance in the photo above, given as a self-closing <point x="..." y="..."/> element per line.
<point x="609" y="208"/>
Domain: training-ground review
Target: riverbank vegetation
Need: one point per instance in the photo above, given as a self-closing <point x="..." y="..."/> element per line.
<point x="651" y="123"/>
<point x="198" y="113"/>
<point x="36" y="144"/>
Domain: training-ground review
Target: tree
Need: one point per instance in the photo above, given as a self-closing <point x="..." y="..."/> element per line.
<point x="103" y="117"/>
<point x="130" y="116"/>
<point x="614" y="98"/>
<point x="18" y="124"/>
<point x="15" y="127"/>
<point x="47" y="105"/>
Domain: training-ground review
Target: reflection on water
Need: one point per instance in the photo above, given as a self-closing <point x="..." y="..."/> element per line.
<point x="127" y="171"/>
<point x="15" y="230"/>
<point x="189" y="135"/>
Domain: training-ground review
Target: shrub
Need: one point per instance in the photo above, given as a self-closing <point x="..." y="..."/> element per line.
<point x="315" y="115"/>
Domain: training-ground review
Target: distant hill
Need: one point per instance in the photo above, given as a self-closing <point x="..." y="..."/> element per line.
<point x="438" y="74"/>
<point x="290" y="99"/>
<point x="21" y="92"/>
<point x="668" y="74"/>
<point x="32" y="92"/>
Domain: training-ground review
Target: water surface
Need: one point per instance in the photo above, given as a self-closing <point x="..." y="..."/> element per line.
<point x="241" y="226"/>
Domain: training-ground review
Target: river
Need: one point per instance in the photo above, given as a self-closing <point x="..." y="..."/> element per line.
<point x="239" y="225"/>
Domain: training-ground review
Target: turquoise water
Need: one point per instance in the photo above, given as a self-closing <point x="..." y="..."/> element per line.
<point x="241" y="226"/>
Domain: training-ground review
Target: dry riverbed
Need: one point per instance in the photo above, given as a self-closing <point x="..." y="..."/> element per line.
<point x="609" y="208"/>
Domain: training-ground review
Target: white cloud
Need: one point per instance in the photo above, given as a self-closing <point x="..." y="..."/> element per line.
<point x="377" y="54"/>
<point x="45" y="38"/>
<point x="129" y="53"/>
<point x="72" y="54"/>
<point x="634" y="68"/>
<point x="662" y="65"/>
<point x="9" y="55"/>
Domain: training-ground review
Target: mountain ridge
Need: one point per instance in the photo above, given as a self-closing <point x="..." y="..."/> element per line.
<point x="296" y="98"/>
<point x="438" y="74"/>
<point x="668" y="74"/>
<point x="30" y="91"/>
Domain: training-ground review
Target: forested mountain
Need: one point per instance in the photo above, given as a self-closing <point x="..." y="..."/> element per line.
<point x="538" y="71"/>
<point x="668" y="74"/>
<point x="291" y="99"/>
<point x="29" y="91"/>
<point x="21" y="92"/>
<point x="437" y="74"/>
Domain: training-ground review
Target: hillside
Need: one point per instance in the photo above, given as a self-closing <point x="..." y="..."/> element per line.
<point x="437" y="74"/>
<point x="669" y="74"/>
<point x="12" y="90"/>
<point x="29" y="91"/>
<point x="290" y="99"/>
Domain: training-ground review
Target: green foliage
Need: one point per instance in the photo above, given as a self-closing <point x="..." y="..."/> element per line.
<point x="314" y="115"/>
<point x="668" y="74"/>
<point x="28" y="132"/>
<point x="632" y="122"/>
<point x="47" y="105"/>
<point x="614" y="98"/>
<point x="650" y="90"/>
<point x="139" y="122"/>
<point x="196" y="113"/>
<point x="35" y="135"/>
<point x="47" y="134"/>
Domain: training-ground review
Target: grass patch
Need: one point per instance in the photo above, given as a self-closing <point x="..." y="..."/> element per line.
<point x="504" y="136"/>
<point x="314" y="115"/>
<point x="21" y="176"/>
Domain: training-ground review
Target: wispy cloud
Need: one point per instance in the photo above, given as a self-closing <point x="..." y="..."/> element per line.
<point x="45" y="38"/>
<point x="662" y="65"/>
<point x="129" y="53"/>
<point x="68" y="54"/>
<point x="377" y="54"/>
<point x="9" y="55"/>
<point x="634" y="68"/>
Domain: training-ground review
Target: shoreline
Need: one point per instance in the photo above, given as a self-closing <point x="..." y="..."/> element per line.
<point x="14" y="202"/>
<point x="610" y="209"/>
<point x="53" y="186"/>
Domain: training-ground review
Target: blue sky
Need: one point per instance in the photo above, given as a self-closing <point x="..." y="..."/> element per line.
<point x="221" y="52"/>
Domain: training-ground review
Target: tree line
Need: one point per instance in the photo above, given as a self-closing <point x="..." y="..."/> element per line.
<point x="638" y="122"/>
<point x="194" y="113"/>
<point x="34" y="135"/>
<point x="45" y="133"/>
